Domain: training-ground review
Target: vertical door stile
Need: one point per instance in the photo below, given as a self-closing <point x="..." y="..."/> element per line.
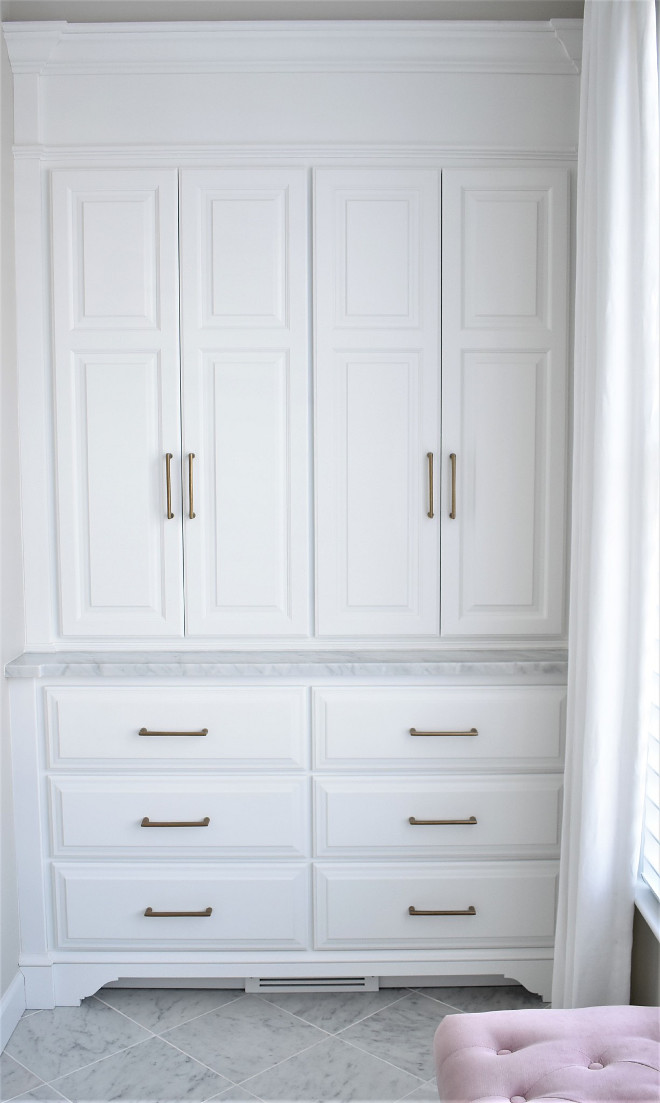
<point x="117" y="401"/>
<point x="245" y="401"/>
<point x="377" y="418"/>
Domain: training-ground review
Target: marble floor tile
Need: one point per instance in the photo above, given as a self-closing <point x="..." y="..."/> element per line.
<point x="427" y="1093"/>
<point x="402" y="1033"/>
<point x="56" y="1042"/>
<point x="150" y="1072"/>
<point x="498" y="997"/>
<point x="244" y="1037"/>
<point x="234" y="1095"/>
<point x="14" y="1079"/>
<point x="161" y="1009"/>
<point x="332" y="1070"/>
<point x="334" y="1011"/>
<point x="44" y="1094"/>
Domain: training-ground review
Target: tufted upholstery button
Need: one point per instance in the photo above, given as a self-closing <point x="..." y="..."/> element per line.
<point x="503" y="1052"/>
<point x="595" y="1065"/>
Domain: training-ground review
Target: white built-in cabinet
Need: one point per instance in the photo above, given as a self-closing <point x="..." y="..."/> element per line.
<point x="184" y="310"/>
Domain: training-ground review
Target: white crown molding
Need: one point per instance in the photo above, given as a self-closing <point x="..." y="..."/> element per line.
<point x="387" y="46"/>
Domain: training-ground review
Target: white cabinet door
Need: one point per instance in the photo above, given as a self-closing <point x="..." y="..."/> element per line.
<point x="377" y="417"/>
<point x="245" y="401"/>
<point x="115" y="294"/>
<point x="505" y="298"/>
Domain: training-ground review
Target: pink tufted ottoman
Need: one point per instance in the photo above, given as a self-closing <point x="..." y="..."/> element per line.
<point x="588" y="1055"/>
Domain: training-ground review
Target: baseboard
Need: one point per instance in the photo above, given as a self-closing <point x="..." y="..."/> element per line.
<point x="12" y="1006"/>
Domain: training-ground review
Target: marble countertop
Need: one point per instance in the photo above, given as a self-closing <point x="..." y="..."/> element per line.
<point x="520" y="662"/>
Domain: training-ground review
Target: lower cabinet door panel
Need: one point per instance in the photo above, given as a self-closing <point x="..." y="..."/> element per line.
<point x="252" y="907"/>
<point x="237" y="816"/>
<point x="360" y="906"/>
<point x="468" y="816"/>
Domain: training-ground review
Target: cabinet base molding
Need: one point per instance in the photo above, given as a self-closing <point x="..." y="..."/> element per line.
<point x="66" y="984"/>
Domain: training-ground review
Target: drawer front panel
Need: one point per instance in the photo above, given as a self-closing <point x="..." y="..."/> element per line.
<point x="520" y="815"/>
<point x="252" y="907"/>
<point x="519" y="727"/>
<point x="249" y="817"/>
<point x="243" y="726"/>
<point x="359" y="906"/>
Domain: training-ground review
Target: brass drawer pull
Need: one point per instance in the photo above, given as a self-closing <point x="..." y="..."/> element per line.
<point x="472" y="731"/>
<point x="146" y="822"/>
<point x="191" y="505"/>
<point x="469" y="911"/>
<point x="452" y="460"/>
<point x="151" y="914"/>
<point x="429" y="456"/>
<point x="426" y="823"/>
<point x="168" y="482"/>
<point x="203" y="731"/>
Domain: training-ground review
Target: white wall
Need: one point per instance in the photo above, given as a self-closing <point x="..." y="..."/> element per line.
<point x="11" y="604"/>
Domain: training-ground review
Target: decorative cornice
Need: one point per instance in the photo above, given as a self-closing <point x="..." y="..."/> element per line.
<point x="375" y="46"/>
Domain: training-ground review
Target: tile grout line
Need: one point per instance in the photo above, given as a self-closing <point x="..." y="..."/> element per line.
<point x="185" y="1021"/>
<point x="330" y="1032"/>
<point x="422" y="1080"/>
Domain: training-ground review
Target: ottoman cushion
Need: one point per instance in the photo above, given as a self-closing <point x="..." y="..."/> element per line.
<point x="587" y="1055"/>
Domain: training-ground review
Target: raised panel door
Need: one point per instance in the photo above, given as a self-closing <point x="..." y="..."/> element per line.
<point x="505" y="302"/>
<point x="245" y="401"/>
<point x="115" y="293"/>
<point x="377" y="417"/>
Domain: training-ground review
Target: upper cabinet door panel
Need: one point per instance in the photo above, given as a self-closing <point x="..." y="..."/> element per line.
<point x="115" y="293"/>
<point x="377" y="417"/>
<point x="505" y="335"/>
<point x="244" y="246"/>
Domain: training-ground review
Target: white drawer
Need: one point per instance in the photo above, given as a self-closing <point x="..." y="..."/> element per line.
<point x="518" y="816"/>
<point x="360" y="906"/>
<point x="242" y="725"/>
<point x="246" y="816"/>
<point x="517" y="727"/>
<point x="252" y="907"/>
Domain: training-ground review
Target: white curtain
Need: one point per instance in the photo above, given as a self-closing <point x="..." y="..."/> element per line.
<point x="615" y="497"/>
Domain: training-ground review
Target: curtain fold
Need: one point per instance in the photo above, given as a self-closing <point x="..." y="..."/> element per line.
<point x="615" y="495"/>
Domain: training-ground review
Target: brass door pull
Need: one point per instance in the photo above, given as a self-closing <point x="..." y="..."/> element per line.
<point x="146" y="822"/>
<point x="191" y="507"/>
<point x="168" y="483"/>
<point x="202" y="731"/>
<point x="151" y="914"/>
<point x="472" y="731"/>
<point x="468" y="911"/>
<point x="452" y="460"/>
<point x="427" y="823"/>
<point x="429" y="456"/>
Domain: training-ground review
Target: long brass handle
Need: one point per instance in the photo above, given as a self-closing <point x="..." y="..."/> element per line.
<point x="452" y="460"/>
<point x="472" y="731"/>
<point x="468" y="911"/>
<point x="427" y="823"/>
<point x="146" y="822"/>
<point x="202" y="731"/>
<point x="191" y="507"/>
<point x="168" y="482"/>
<point x="429" y="456"/>
<point x="151" y="914"/>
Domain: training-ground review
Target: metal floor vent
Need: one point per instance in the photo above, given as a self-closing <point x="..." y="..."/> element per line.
<point x="311" y="984"/>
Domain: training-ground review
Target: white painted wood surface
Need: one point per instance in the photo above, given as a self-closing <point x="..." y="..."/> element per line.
<point x="245" y="370"/>
<point x="505" y="348"/>
<point x="367" y="905"/>
<point x="377" y="240"/>
<point x="115" y="287"/>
